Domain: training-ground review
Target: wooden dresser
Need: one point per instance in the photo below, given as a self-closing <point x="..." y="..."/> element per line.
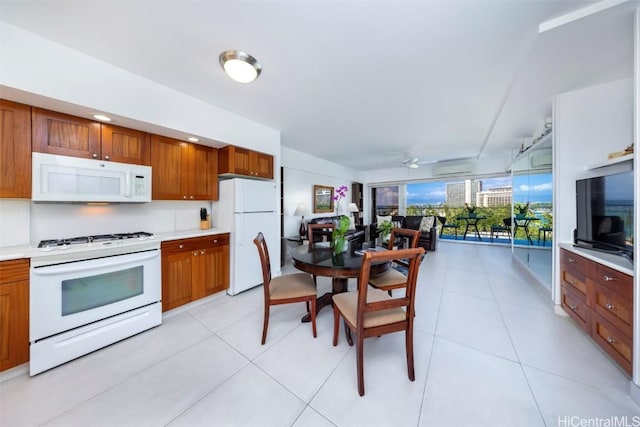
<point x="600" y="300"/>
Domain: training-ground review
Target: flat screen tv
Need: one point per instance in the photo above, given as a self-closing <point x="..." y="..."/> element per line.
<point x="605" y="213"/>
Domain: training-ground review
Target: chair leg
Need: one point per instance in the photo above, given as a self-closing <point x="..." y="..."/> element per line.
<point x="360" y="363"/>
<point x="313" y="316"/>
<point x="409" y="345"/>
<point x="265" y="323"/>
<point x="336" y="325"/>
<point x="347" y="332"/>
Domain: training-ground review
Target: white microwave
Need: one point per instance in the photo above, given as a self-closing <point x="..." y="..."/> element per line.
<point x="72" y="179"/>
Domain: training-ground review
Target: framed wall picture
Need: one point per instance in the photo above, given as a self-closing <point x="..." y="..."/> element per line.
<point x="322" y="199"/>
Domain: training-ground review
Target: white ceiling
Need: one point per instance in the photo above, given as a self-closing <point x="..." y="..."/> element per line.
<point x="365" y="84"/>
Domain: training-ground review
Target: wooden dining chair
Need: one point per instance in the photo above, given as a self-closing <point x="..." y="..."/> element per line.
<point x="322" y="230"/>
<point x="393" y="278"/>
<point x="285" y="289"/>
<point x="370" y="312"/>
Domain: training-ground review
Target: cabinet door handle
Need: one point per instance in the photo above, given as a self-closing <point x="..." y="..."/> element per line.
<point x="195" y="253"/>
<point x="607" y="278"/>
<point x="202" y="252"/>
<point x="106" y="157"/>
<point x="572" y="307"/>
<point x="191" y="197"/>
<point x="181" y="246"/>
<point x="610" y="306"/>
<point x="571" y="260"/>
<point x="94" y="155"/>
<point x="215" y="241"/>
<point x="572" y="281"/>
<point x="184" y="197"/>
<point x="611" y="340"/>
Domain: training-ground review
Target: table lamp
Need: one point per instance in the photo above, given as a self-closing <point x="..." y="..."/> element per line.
<point x="353" y="208"/>
<point x="302" y="210"/>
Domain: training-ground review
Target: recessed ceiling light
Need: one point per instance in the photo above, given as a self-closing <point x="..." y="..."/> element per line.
<point x="193" y="139"/>
<point x="102" y="117"/>
<point x="240" y="66"/>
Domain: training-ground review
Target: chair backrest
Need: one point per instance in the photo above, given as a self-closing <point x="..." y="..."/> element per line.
<point x="263" y="251"/>
<point x="507" y="222"/>
<point x="319" y="229"/>
<point x="399" y="235"/>
<point x="413" y="256"/>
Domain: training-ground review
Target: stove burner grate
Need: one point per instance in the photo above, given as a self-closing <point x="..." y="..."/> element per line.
<point x="96" y="238"/>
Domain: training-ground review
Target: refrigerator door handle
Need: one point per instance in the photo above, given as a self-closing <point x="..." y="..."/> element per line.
<point x="240" y="229"/>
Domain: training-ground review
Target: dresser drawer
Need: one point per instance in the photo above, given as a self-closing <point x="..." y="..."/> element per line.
<point x="612" y="306"/>
<point x="576" y="307"/>
<point x="574" y="271"/>
<point x="577" y="281"/>
<point x="613" y="279"/>
<point x="613" y="341"/>
<point x="578" y="266"/>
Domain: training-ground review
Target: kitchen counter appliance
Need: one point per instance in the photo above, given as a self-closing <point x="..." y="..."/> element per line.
<point x="89" y="292"/>
<point x="67" y="179"/>
<point x="247" y="206"/>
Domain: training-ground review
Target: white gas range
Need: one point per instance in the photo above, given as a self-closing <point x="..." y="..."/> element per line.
<point x="91" y="291"/>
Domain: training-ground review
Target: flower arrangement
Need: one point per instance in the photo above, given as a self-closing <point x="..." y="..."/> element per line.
<point x="522" y="209"/>
<point x="384" y="228"/>
<point x="342" y="226"/>
<point x="340" y="193"/>
<point x="470" y="210"/>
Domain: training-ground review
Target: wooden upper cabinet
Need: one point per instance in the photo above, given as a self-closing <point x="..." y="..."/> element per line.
<point x="15" y="150"/>
<point x="263" y="165"/>
<point x="241" y="161"/>
<point x="183" y="171"/>
<point x="203" y="179"/>
<point x="169" y="167"/>
<point x="125" y="145"/>
<point x="57" y="133"/>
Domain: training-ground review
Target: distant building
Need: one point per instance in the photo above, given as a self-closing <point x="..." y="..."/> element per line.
<point x="459" y="193"/>
<point x="498" y="196"/>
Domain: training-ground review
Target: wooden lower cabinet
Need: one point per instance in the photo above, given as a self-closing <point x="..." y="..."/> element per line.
<point x="193" y="269"/>
<point x="600" y="300"/>
<point x="14" y="313"/>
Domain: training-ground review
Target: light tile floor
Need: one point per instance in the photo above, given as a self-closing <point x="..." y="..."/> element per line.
<point x="489" y="351"/>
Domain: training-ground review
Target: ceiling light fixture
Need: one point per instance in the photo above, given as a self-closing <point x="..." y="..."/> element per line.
<point x="240" y="66"/>
<point x="102" y="117"/>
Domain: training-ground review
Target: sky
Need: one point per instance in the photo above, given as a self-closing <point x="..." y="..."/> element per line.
<point x="527" y="188"/>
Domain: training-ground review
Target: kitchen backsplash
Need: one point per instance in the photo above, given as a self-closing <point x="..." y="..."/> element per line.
<point x="24" y="223"/>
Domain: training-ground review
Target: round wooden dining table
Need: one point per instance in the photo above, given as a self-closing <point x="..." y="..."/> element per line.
<point x="321" y="261"/>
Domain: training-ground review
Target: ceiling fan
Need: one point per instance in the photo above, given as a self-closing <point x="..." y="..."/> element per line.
<point x="411" y="163"/>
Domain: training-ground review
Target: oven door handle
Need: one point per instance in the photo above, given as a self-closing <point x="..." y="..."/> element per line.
<point x="84" y="265"/>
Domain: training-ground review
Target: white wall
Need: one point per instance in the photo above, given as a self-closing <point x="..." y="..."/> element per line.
<point x="589" y="124"/>
<point x="303" y="171"/>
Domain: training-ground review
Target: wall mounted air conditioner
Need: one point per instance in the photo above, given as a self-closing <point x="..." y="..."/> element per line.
<point x="452" y="169"/>
<point x="541" y="159"/>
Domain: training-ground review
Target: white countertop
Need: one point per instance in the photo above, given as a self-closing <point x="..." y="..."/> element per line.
<point x="30" y="251"/>
<point x="616" y="262"/>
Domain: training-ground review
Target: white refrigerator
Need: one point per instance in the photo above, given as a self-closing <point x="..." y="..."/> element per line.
<point x="246" y="207"/>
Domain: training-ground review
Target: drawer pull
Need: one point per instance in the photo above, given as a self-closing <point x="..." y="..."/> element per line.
<point x="181" y="246"/>
<point x="195" y="253"/>
<point x="571" y="260"/>
<point x="572" y="307"/>
<point x="611" y="340"/>
<point x="202" y="252"/>
<point x="572" y="281"/>
<point x="607" y="278"/>
<point x="215" y="241"/>
<point x="610" y="306"/>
